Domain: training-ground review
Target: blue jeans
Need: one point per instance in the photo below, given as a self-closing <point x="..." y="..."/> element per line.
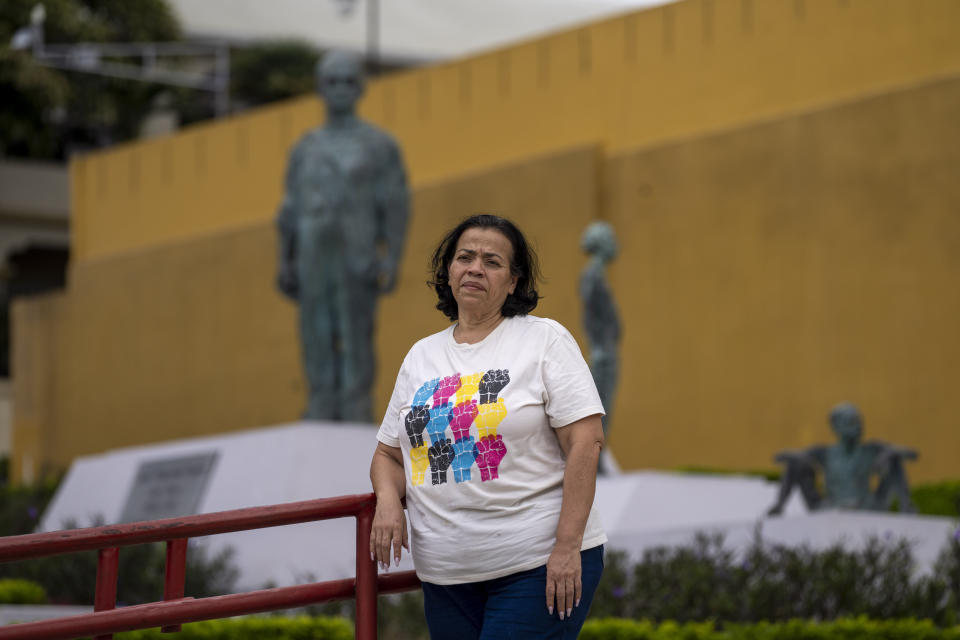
<point x="514" y="606"/>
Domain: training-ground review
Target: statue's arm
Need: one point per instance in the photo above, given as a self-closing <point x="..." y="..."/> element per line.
<point x="601" y="319"/>
<point x="393" y="204"/>
<point x="288" y="280"/>
<point x="590" y="282"/>
<point x="800" y="466"/>
<point x="817" y="455"/>
<point x="812" y="457"/>
<point x="885" y="453"/>
<point x="615" y="327"/>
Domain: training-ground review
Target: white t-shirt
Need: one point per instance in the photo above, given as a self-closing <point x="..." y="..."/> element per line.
<point x="484" y="468"/>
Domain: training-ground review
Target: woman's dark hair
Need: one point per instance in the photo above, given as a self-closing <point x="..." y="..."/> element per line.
<point x="524" y="266"/>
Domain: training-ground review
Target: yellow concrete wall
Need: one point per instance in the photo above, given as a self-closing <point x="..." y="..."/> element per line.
<point x="191" y="338"/>
<point x="34" y="352"/>
<point x="771" y="272"/>
<point x="781" y="174"/>
<point x="553" y="198"/>
<point x="204" y="180"/>
<point x="647" y="77"/>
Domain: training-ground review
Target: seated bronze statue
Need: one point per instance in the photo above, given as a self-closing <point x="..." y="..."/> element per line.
<point x="848" y="469"/>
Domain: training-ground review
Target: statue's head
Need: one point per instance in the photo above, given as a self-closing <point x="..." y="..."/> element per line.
<point x="598" y="240"/>
<point x="340" y="80"/>
<point x="846" y="422"/>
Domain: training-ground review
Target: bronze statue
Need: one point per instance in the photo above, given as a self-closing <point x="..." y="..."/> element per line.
<point x="600" y="317"/>
<point x="342" y="226"/>
<point x="847" y="468"/>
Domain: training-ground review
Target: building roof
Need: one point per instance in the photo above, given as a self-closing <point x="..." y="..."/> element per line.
<point x="34" y="205"/>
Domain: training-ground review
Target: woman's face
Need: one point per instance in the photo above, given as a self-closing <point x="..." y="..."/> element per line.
<point x="479" y="273"/>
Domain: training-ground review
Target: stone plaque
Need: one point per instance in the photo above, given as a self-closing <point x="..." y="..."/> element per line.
<point x="168" y="487"/>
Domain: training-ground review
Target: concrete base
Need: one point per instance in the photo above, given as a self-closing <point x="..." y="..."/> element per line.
<point x="309" y="460"/>
<point x="287" y="463"/>
<point x="17" y="613"/>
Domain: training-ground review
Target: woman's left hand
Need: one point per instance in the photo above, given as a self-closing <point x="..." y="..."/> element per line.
<point x="581" y="442"/>
<point x="563" y="579"/>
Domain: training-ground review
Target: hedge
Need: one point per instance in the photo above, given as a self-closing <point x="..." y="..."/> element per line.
<point x="325" y="628"/>
<point x="847" y="629"/>
<point x="937" y="498"/>
<point x="774" y="582"/>
<point x="253" y="628"/>
<point x="68" y="578"/>
<point x="16" y="591"/>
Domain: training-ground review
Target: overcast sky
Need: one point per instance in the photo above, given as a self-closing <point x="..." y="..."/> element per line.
<point x="410" y="29"/>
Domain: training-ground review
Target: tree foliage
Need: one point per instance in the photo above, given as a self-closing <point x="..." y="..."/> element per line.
<point x="46" y="113"/>
<point x="270" y="71"/>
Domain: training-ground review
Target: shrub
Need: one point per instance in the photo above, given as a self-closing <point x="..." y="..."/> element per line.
<point x="937" y="498"/>
<point x="20" y="507"/>
<point x="944" y="585"/>
<point x="15" y="591"/>
<point x="707" y="581"/>
<point x="254" y="628"/>
<point x="69" y="578"/>
<point x="399" y="615"/>
<point x="848" y="629"/>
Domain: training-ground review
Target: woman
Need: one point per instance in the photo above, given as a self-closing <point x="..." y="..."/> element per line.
<point x="493" y="435"/>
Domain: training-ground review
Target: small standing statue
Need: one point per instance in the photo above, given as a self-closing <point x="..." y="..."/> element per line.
<point x="847" y="468"/>
<point x="600" y="317"/>
<point x="342" y="226"/>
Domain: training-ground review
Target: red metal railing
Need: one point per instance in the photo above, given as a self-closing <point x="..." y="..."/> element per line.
<point x="175" y="609"/>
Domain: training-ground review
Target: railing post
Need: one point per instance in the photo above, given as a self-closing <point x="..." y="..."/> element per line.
<point x="366" y="577"/>
<point x="176" y="576"/>
<point x="105" y="598"/>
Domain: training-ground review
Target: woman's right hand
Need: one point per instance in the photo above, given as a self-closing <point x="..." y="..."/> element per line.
<point x="389" y="531"/>
<point x="389" y="522"/>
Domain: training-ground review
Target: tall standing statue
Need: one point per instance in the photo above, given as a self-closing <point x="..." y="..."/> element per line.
<point x="848" y="468"/>
<point x="600" y="317"/>
<point x="342" y="226"/>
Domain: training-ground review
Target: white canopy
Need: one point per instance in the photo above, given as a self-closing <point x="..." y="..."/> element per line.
<point x="409" y="29"/>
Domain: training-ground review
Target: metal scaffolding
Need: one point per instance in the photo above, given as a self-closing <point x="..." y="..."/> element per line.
<point x="103" y="59"/>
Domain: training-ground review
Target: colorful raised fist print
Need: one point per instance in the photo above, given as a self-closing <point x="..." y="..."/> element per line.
<point x="490" y="451"/>
<point x="463" y="415"/>
<point x="447" y="387"/>
<point x="439" y="419"/>
<point x="489" y="416"/>
<point x="441" y="455"/>
<point x="492" y="383"/>
<point x="422" y="396"/>
<point x="466" y="453"/>
<point x="458" y="402"/>
<point x="416" y="421"/>
<point x="469" y="385"/>
<point x="419" y="461"/>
